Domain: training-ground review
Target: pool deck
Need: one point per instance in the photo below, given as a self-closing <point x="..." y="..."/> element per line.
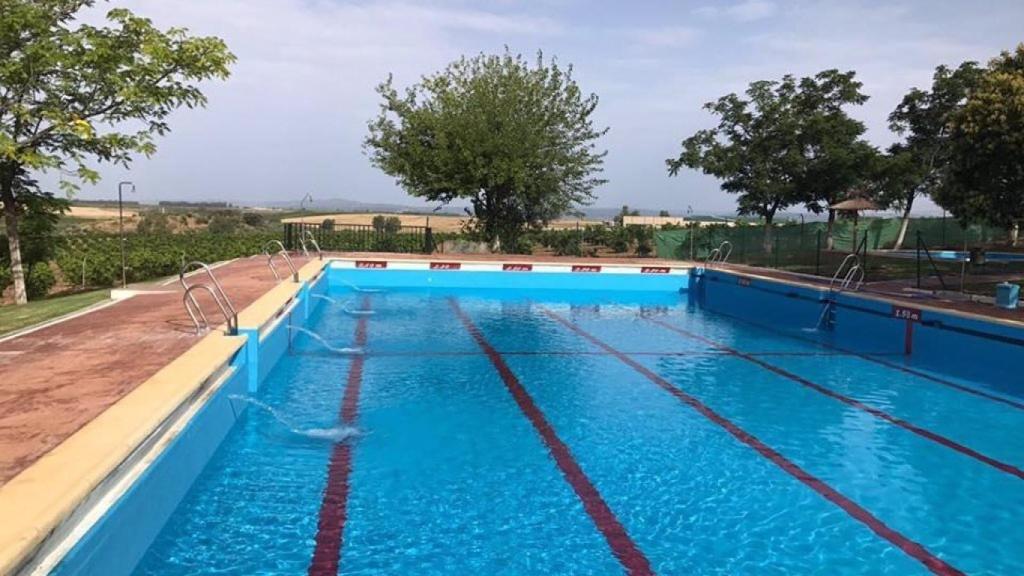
<point x="58" y="378"/>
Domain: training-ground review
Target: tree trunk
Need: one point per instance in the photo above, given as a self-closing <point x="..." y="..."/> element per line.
<point x="11" y="219"/>
<point x="904" y="224"/>
<point x="767" y="241"/>
<point x="830" y="239"/>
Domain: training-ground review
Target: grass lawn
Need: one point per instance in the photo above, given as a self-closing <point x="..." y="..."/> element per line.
<point x="16" y="317"/>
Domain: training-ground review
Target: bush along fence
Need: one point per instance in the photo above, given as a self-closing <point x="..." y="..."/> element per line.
<point x="93" y="260"/>
<point x="361" y="237"/>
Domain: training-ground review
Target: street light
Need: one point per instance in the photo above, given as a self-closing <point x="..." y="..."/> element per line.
<point x="120" y="228"/>
<point x="302" y="203"/>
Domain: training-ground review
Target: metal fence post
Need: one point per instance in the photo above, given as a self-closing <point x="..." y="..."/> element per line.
<point x="918" y="259"/>
<point x="817" y="255"/>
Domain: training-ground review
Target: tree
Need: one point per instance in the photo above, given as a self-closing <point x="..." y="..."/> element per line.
<point x="515" y="140"/>
<point x="663" y="213"/>
<point x="917" y="165"/>
<point x="787" y="142"/>
<point x="66" y="88"/>
<point x="837" y="160"/>
<point x="755" y="149"/>
<point x="985" y="178"/>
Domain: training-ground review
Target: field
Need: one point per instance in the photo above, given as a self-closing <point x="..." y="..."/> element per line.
<point x="438" y="222"/>
<point x="98" y="213"/>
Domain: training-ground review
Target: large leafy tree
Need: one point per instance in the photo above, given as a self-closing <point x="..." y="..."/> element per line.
<point x="836" y="158"/>
<point x="755" y="149"/>
<point x="985" y="178"/>
<point x="72" y="95"/>
<point x="917" y="165"/>
<point x="517" y="141"/>
<point x="787" y="142"/>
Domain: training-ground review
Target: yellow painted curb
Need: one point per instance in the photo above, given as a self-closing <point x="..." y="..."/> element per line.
<point x="43" y="495"/>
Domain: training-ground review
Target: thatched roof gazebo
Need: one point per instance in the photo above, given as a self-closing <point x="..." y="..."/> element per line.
<point x="854" y="205"/>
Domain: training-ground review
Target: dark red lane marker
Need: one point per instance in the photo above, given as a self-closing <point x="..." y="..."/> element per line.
<point x="880" y="414"/>
<point x="330" y="529"/>
<point x="622" y="545"/>
<point x="910" y="547"/>
<point x="930" y="378"/>
<point x="889" y="364"/>
<point x="429" y="353"/>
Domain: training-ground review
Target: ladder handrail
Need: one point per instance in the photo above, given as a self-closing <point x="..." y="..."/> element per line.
<point x="192" y="306"/>
<point x="307" y="234"/>
<point x="719" y="255"/>
<point x="282" y="252"/>
<point x="219" y="294"/>
<point x="850" y="275"/>
<point x="843" y="266"/>
<point x="723" y="253"/>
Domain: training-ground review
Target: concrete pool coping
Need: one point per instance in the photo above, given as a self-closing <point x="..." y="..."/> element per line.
<point x="44" y="495"/>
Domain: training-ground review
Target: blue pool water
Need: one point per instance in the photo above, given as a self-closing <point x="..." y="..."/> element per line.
<point x="543" y="432"/>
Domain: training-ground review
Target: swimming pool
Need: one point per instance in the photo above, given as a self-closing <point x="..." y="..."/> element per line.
<point x="628" y="427"/>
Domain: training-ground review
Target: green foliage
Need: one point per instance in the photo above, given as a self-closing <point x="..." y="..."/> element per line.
<point x="153" y="223"/>
<point x="149" y="255"/>
<point x="985" y="179"/>
<point x="73" y="93"/>
<point x="386" y="224"/>
<point x="327" y="225"/>
<point x="5" y="277"/>
<point x="917" y="165"/>
<point x="787" y="142"/>
<point x="516" y="140"/>
<point x="39" y="281"/>
<point x="254" y="219"/>
<point x="224" y="223"/>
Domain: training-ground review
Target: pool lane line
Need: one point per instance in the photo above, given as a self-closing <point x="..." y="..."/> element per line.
<point x="912" y="548"/>
<point x="852" y="402"/>
<point x="330" y="529"/>
<point x="877" y="359"/>
<point x="622" y="545"/>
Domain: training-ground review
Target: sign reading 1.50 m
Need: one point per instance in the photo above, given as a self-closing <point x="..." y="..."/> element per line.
<point x="906" y="313"/>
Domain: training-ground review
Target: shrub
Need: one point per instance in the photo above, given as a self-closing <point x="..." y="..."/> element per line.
<point x="254" y="219"/>
<point x="39" y="281"/>
<point x="5" y="278"/>
<point x="153" y="223"/>
<point x="327" y="225"/>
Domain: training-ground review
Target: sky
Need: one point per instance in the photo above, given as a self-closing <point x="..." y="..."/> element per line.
<point x="292" y="118"/>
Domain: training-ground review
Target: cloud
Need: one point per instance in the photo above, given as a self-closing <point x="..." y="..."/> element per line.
<point x="748" y="11"/>
<point x="666" y="36"/>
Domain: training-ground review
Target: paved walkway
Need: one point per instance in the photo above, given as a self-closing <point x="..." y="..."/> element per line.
<point x="57" y="379"/>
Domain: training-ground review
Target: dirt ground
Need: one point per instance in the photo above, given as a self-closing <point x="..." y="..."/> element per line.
<point x="438" y="222"/>
<point x="97" y="213"/>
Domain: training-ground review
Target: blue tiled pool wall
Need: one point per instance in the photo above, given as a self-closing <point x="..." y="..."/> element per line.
<point x="116" y="543"/>
<point x="481" y="280"/>
<point x="940" y="342"/>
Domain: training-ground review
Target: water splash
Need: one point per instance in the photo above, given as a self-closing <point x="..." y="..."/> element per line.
<point x="336" y="434"/>
<point x="325" y="343"/>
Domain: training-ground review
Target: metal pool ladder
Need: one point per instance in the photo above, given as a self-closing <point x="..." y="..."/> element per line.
<point x="851" y="273"/>
<point x="215" y="290"/>
<point x="270" y="251"/>
<point x="307" y="236"/>
<point x="719" y="255"/>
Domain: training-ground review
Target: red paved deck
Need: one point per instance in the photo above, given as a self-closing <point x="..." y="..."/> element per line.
<point x="57" y="379"/>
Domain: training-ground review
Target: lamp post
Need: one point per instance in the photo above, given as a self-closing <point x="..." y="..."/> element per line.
<point x="120" y="228"/>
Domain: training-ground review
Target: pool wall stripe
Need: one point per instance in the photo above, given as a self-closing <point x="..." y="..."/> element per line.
<point x="912" y="548"/>
<point x="622" y="545"/>
<point x="852" y="402"/>
<point x="330" y="532"/>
